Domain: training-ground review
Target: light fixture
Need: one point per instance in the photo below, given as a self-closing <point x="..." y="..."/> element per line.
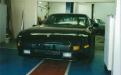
<point x="40" y="2"/>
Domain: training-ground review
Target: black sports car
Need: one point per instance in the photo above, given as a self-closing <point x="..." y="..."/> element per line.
<point x="61" y="36"/>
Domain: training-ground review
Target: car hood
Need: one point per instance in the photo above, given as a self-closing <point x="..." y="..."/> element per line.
<point x="64" y="30"/>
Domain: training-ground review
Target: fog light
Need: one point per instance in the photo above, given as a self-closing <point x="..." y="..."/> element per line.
<point x="68" y="55"/>
<point x="76" y="48"/>
<point x="86" y="46"/>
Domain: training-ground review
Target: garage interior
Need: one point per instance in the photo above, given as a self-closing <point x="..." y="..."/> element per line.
<point x="18" y="15"/>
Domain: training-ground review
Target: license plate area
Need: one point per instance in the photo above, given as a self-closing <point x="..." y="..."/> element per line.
<point x="53" y="52"/>
<point x="55" y="46"/>
<point x="47" y="52"/>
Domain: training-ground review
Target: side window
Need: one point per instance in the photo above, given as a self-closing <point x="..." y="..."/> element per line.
<point x="88" y="22"/>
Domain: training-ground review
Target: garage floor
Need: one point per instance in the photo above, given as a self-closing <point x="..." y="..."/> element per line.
<point x="12" y="64"/>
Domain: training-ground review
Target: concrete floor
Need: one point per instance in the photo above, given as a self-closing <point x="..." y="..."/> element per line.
<point x="12" y="64"/>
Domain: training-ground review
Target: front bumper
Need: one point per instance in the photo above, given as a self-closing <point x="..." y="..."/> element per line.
<point x="55" y="47"/>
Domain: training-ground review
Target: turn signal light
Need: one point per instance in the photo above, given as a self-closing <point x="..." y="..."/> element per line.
<point x="18" y="44"/>
<point x="86" y="46"/>
<point x="76" y="48"/>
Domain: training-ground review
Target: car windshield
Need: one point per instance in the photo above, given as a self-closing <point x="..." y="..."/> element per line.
<point x="68" y="20"/>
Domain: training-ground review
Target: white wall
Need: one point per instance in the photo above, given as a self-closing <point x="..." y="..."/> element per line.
<point x="57" y="7"/>
<point x="83" y="8"/>
<point x="109" y="42"/>
<point x="54" y="7"/>
<point x="102" y="10"/>
<point x="30" y="13"/>
<point x="29" y="10"/>
<point x="3" y="21"/>
<point x="117" y="41"/>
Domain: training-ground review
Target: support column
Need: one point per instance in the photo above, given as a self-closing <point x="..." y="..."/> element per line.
<point x="69" y="7"/>
<point x="117" y="42"/>
<point x="92" y="12"/>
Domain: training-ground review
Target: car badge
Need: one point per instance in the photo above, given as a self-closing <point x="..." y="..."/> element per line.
<point x="48" y="35"/>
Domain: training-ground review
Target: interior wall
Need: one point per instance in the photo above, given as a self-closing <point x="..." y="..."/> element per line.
<point x="103" y="10"/>
<point x="57" y="7"/>
<point x="30" y="13"/>
<point x="3" y="21"/>
<point x="17" y="6"/>
<point x="54" y="7"/>
<point x="83" y="8"/>
<point x="117" y="41"/>
<point x="25" y="8"/>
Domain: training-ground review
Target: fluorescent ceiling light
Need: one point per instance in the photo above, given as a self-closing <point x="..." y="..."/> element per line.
<point x="40" y="2"/>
